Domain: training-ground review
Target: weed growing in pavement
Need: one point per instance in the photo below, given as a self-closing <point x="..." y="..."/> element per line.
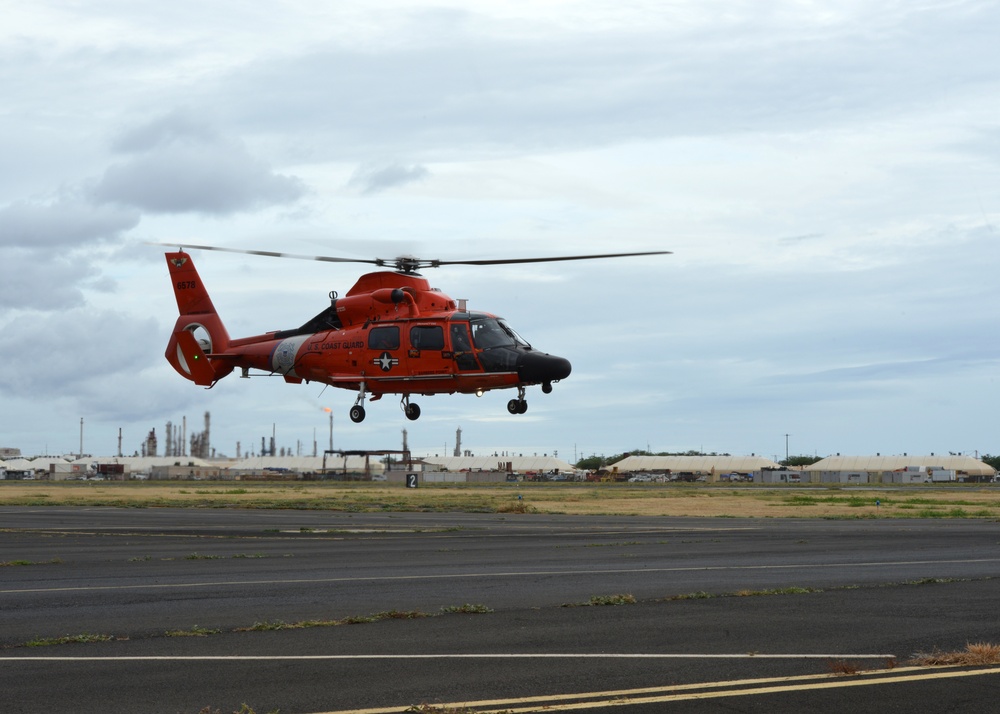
<point x="467" y="609"/>
<point x="979" y="653"/>
<point x="844" y="667"/>
<point x="195" y="631"/>
<point x="13" y="563"/>
<point x="595" y="600"/>
<point x="776" y="591"/>
<point x="267" y="626"/>
<point x="67" y="640"/>
<point x="244" y="709"/>
<point x="700" y="595"/>
<point x="271" y="625"/>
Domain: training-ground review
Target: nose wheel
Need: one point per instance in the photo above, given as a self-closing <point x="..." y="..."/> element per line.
<point x="519" y="405"/>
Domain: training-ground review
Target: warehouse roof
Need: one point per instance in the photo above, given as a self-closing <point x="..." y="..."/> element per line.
<point x="963" y="464"/>
<point x="721" y="464"/>
<point x="520" y="464"/>
<point x="306" y="464"/>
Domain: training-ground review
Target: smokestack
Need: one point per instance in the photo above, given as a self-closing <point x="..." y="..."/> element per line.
<point x="81" y="437"/>
<point x="184" y="436"/>
<point x="119" y="442"/>
<point x="207" y="444"/>
<point x="458" y="441"/>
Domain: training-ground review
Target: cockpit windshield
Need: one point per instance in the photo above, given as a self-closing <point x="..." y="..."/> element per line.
<point x="490" y="332"/>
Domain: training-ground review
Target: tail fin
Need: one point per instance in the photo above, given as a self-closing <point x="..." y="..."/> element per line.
<point x="198" y="333"/>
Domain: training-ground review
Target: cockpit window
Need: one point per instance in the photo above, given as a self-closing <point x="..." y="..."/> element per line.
<point x="510" y="330"/>
<point x="488" y="332"/>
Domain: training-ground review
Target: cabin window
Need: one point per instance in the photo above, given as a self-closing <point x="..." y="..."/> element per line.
<point x="427" y="337"/>
<point x="384" y="338"/>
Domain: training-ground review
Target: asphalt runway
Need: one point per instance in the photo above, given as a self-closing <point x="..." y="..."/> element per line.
<point x="189" y="612"/>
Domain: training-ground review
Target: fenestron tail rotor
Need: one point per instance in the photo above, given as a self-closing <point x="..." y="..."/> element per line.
<point x="411" y="264"/>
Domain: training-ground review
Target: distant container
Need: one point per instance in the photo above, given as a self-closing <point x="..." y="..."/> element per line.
<point x="910" y="474"/>
<point x="772" y="475"/>
<point x="63" y="472"/>
<point x="844" y="477"/>
<point x="939" y="475"/>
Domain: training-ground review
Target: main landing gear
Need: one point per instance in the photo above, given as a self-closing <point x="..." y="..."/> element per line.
<point x="412" y="411"/>
<point x="358" y="410"/>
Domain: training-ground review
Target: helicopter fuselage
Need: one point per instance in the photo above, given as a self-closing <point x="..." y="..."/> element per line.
<point x="392" y="333"/>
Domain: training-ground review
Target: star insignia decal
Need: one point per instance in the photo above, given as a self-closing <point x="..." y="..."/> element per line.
<point x="385" y="361"/>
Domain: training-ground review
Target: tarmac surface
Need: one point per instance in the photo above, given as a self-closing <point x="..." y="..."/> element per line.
<point x="188" y="611"/>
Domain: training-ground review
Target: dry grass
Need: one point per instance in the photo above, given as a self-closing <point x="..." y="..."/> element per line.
<point x="701" y="500"/>
<point x="979" y="653"/>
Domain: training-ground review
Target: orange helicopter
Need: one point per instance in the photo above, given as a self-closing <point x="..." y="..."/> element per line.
<point x="392" y="333"/>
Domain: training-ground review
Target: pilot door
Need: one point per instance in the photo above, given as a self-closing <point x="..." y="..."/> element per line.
<point x="461" y="347"/>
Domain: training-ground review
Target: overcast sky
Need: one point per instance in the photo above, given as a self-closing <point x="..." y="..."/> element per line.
<point x="826" y="174"/>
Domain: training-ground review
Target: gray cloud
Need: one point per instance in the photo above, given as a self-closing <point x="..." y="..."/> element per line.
<point x="178" y="164"/>
<point x="373" y="178"/>
<point x="42" y="280"/>
<point x="503" y="94"/>
<point x="68" y="350"/>
<point x="67" y="220"/>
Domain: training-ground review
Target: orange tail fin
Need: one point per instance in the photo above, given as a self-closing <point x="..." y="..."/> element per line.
<point x="198" y="333"/>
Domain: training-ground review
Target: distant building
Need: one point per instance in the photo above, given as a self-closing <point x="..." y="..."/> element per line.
<point x="712" y="467"/>
<point x="899" y="469"/>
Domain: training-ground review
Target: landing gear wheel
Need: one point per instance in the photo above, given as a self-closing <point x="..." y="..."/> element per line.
<point x="357" y="413"/>
<point x="517" y="406"/>
<point x="412" y="412"/>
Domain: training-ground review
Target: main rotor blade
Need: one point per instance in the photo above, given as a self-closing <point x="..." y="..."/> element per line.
<point x="274" y="254"/>
<point x="409" y="264"/>
<point x="555" y="259"/>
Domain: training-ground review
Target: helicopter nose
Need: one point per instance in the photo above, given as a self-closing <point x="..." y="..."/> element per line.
<point x="541" y="367"/>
